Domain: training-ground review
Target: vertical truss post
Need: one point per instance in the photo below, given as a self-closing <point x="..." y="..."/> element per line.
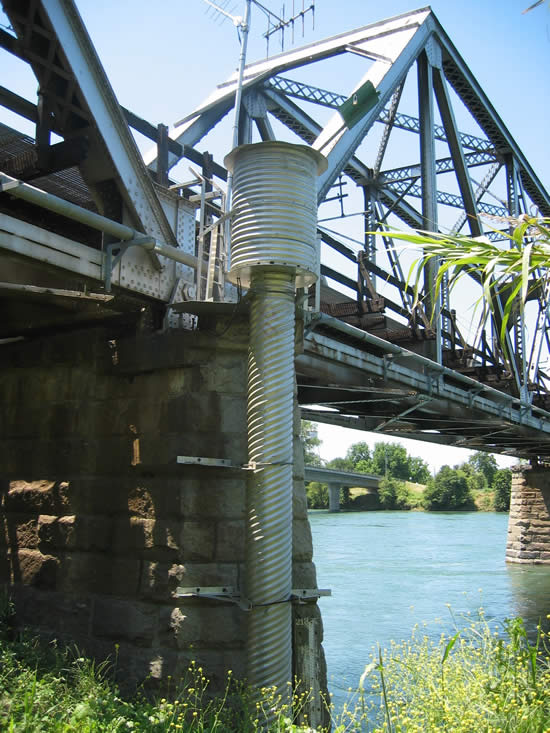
<point x="162" y="155"/>
<point x="43" y="123"/>
<point x="370" y="224"/>
<point x="245" y="126"/>
<point x="209" y="240"/>
<point x="519" y="320"/>
<point x="429" y="192"/>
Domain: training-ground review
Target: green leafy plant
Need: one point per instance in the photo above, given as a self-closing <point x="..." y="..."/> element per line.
<point x="507" y="275"/>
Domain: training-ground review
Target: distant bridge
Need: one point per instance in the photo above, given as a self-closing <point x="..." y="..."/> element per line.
<point x="337" y="480"/>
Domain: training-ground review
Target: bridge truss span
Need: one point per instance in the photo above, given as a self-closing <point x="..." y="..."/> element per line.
<point x="353" y="379"/>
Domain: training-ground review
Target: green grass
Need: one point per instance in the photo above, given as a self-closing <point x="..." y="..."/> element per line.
<point x="478" y="680"/>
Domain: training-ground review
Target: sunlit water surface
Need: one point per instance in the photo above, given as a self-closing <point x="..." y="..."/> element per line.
<point x="390" y="570"/>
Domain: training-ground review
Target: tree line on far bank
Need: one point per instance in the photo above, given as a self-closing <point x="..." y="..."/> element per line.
<point x="478" y="483"/>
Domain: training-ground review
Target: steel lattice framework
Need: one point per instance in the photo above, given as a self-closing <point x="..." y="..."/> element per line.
<point x="372" y="359"/>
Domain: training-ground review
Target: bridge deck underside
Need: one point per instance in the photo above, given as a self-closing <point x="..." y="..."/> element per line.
<point x="346" y="380"/>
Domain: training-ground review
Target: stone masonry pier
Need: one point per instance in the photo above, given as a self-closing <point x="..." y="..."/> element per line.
<point x="529" y="523"/>
<point x="100" y="524"/>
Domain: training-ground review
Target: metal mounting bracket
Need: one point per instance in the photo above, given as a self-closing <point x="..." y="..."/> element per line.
<point x="227" y="593"/>
<point x="204" y="461"/>
<point x="111" y="261"/>
<point x="306" y="594"/>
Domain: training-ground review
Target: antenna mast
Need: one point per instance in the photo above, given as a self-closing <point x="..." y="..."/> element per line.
<point x="276" y="24"/>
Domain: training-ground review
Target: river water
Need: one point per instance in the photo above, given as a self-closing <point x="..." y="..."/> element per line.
<point x="390" y="570"/>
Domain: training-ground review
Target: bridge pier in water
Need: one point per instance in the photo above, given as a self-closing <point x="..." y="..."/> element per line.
<point x="334" y="497"/>
<point x="529" y="521"/>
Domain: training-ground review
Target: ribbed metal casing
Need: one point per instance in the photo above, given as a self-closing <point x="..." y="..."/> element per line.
<point x="274" y="213"/>
<point x="269" y="499"/>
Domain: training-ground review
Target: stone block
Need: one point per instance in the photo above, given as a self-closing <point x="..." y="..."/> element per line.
<point x="62" y="419"/>
<point x="125" y="621"/>
<point x="299" y="500"/>
<point x="216" y="496"/>
<point x="101" y="573"/>
<point x="233" y="414"/>
<point x="104" y="418"/>
<point x="23" y="422"/>
<point x="114" y="455"/>
<point x="208" y="443"/>
<point x="227" y="375"/>
<point x="37" y="497"/>
<point x="298" y="460"/>
<point x="197" y="625"/>
<point x="214" y="665"/>
<point x="304" y="575"/>
<point x="65" y="456"/>
<point x="31" y="567"/>
<point x="157" y="497"/>
<point x="55" y="612"/>
<point x="154" y="453"/>
<point x="307" y="612"/>
<point x="302" y="547"/>
<point x="100" y="495"/>
<point x="189" y="412"/>
<point x="158" y="580"/>
<point x="56" y="532"/>
<point x="154" y="670"/>
<point x="529" y="555"/>
<point x="19" y="531"/>
<point x="132" y="534"/>
<point x="230" y="541"/>
<point x="94" y="534"/>
<point x="135" y="534"/>
<point x="216" y="574"/>
<point x="198" y="541"/>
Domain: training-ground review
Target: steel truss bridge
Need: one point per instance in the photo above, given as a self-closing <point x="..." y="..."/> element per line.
<point x="93" y="232"/>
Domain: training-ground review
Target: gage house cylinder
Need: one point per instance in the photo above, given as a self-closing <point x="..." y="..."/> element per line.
<point x="273" y="250"/>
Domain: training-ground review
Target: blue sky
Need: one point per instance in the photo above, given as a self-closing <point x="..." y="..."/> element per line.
<point x="163" y="58"/>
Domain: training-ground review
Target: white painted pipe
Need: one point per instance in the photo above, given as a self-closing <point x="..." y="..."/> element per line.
<point x="49" y="201"/>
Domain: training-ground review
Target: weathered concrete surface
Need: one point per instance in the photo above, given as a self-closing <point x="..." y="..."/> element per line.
<point x="98" y="522"/>
<point x="529" y="522"/>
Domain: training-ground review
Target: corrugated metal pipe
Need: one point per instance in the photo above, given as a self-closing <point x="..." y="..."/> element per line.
<point x="273" y="247"/>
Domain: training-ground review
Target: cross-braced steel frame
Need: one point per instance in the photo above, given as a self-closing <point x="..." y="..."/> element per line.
<point x="413" y="143"/>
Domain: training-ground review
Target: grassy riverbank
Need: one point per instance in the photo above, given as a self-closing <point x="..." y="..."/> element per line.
<point x="479" y="679"/>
